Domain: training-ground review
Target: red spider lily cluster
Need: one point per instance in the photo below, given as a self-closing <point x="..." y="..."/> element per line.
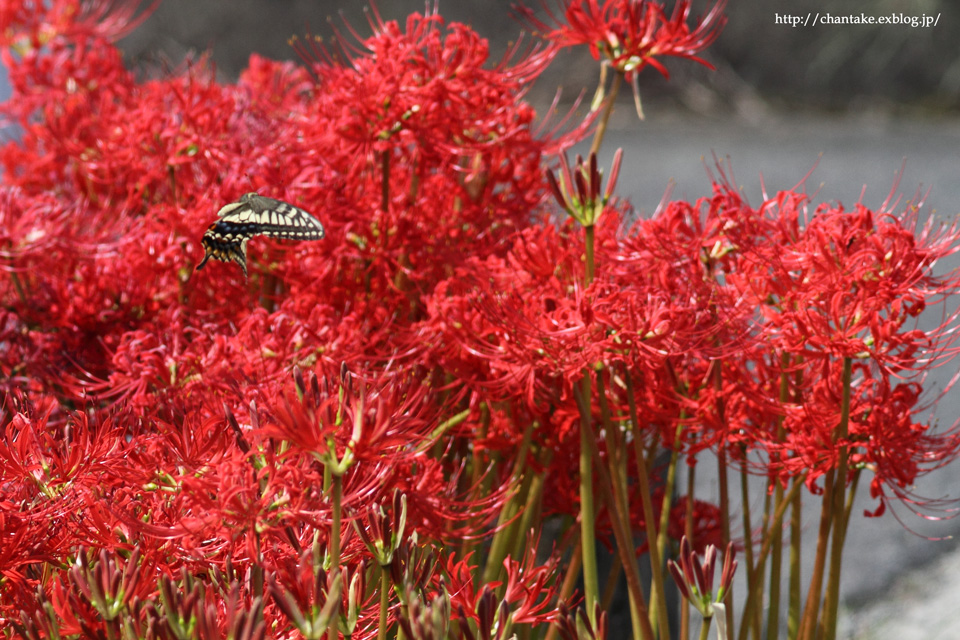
<point x="370" y="433"/>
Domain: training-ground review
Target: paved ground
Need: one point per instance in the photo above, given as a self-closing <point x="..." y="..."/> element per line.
<point x="920" y="604"/>
<point x="896" y="583"/>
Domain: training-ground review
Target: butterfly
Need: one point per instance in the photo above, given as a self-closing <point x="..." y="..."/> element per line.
<point x="255" y="215"/>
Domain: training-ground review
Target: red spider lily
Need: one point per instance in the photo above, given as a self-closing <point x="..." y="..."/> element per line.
<point x="492" y="619"/>
<point x="676" y="274"/>
<point x="177" y="605"/>
<point x="413" y="564"/>
<point x="458" y="575"/>
<point x="852" y="283"/>
<point x="575" y="625"/>
<point x="355" y="423"/>
<point x="579" y="192"/>
<point x="70" y="614"/>
<point x="188" y="604"/>
<point x="632" y="34"/>
<point x="376" y="438"/>
<point x="107" y="587"/>
<point x="885" y="435"/>
<point x="428" y="615"/>
<point x="307" y="596"/>
<point x="516" y="317"/>
<point x="55" y="471"/>
<point x="69" y="19"/>
<point x="386" y="532"/>
<point x="530" y="588"/>
<point x="439" y="507"/>
<point x="423" y="73"/>
<point x="695" y="578"/>
<point x="454" y="142"/>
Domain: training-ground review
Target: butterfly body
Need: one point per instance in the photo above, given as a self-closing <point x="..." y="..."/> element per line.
<point x="255" y="215"/>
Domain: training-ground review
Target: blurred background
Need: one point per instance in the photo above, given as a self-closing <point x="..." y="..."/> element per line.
<point x="874" y="95"/>
<point x="855" y="106"/>
<point x="760" y="64"/>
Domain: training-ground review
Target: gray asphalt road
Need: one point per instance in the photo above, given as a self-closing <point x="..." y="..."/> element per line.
<point x="885" y="562"/>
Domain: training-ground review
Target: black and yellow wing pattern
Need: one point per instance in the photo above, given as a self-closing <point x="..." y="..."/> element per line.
<point x="255" y="215"/>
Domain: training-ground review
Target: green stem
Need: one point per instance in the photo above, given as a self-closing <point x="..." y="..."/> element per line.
<point x="622" y="533"/>
<point x="796" y="591"/>
<point x="503" y="539"/>
<point x="839" y="511"/>
<point x="481" y="476"/>
<point x="384" y="603"/>
<point x="705" y="628"/>
<point x="796" y="529"/>
<point x="753" y="621"/>
<point x="337" y="508"/>
<point x="776" y="573"/>
<point x="607" y="110"/>
<point x="609" y="590"/>
<point x="533" y="492"/>
<point x="588" y="542"/>
<point x="812" y="607"/>
<point x="590" y="266"/>
<point x="688" y="530"/>
<point x="666" y="506"/>
<point x="385" y="181"/>
<point x="566" y="589"/>
<point x="752" y="596"/>
<point x="722" y="480"/>
<point x="776" y="534"/>
<point x="621" y="502"/>
<point x="257" y="571"/>
<point x="840" y="533"/>
<point x="658" y="593"/>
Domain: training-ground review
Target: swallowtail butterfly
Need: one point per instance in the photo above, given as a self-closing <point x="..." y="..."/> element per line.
<point x="255" y="215"/>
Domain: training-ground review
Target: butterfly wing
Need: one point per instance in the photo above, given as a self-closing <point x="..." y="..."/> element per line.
<point x="253" y="215"/>
<point x="278" y="219"/>
<point x="224" y="247"/>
